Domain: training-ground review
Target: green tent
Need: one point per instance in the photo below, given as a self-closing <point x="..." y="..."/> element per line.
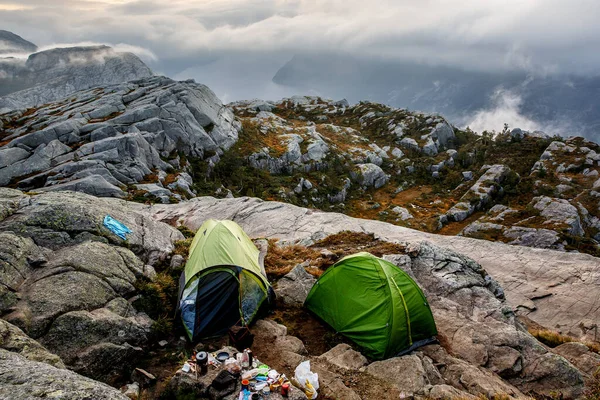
<point x="375" y="304"/>
<point x="223" y="283"/>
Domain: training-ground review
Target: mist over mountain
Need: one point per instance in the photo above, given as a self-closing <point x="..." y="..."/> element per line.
<point x="51" y="74"/>
<point x="565" y="104"/>
<point x="11" y="43"/>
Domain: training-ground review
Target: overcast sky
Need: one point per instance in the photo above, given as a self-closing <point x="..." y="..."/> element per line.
<point x="237" y="46"/>
<point x="541" y="35"/>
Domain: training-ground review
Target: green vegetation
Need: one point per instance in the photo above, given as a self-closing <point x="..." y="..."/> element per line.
<point x="359" y="129"/>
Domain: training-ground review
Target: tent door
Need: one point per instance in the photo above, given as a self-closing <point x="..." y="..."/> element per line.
<point x="217" y="304"/>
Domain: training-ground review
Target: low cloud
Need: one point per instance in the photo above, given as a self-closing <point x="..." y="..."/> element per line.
<point x="144" y="54"/>
<point x="552" y="35"/>
<point x="505" y="110"/>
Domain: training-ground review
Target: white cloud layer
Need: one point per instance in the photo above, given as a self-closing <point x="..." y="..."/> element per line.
<point x="537" y="35"/>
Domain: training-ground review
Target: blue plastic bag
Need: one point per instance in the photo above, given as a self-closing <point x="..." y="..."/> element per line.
<point x="116" y="227"/>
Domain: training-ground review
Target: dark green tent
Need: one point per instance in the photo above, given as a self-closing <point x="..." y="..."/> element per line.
<point x="375" y="304"/>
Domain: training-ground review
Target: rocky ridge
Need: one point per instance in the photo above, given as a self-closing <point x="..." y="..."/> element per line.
<point x="14" y="44"/>
<point x="114" y="141"/>
<point x="157" y="140"/>
<point x="53" y="74"/>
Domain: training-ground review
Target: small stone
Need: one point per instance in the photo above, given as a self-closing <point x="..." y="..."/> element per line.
<point x="131" y="390"/>
<point x="143" y="377"/>
<point x="163" y="343"/>
<point x="177" y="261"/>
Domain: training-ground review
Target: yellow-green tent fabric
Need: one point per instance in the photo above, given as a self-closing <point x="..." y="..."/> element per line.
<point x="222" y="284"/>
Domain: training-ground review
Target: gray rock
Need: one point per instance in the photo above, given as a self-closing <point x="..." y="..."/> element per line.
<point x="143" y="377"/>
<point x="559" y="211"/>
<point x="177" y="261"/>
<point x="41" y="159"/>
<point x="50" y="219"/>
<point x="530" y="237"/>
<point x="342" y="103"/>
<point x="409" y="143"/>
<point x="95" y="185"/>
<point x="403" y="213"/>
<point x="156" y="191"/>
<point x="53" y="74"/>
<point x="11" y="155"/>
<point x="443" y="134"/>
<point x="430" y="148"/>
<point x="480" y="193"/>
<point x="467" y="175"/>
<point x="396" y="152"/>
<point x="317" y="150"/>
<point x="447" y="392"/>
<point x="15" y="340"/>
<point x="293" y="288"/>
<point x="23" y="379"/>
<point x="109" y="347"/>
<point x="370" y="175"/>
<point x="406" y="372"/>
<point x="127" y="145"/>
<point x="579" y="355"/>
<point x="132" y="391"/>
<point x="517" y="133"/>
<point x="343" y="356"/>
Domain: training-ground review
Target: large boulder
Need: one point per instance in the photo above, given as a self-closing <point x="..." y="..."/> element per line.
<point x="480" y="194"/>
<point x="15" y="340"/>
<point x="23" y="379"/>
<point x="559" y="211"/>
<point x="344" y="356"/>
<point x="55" y="220"/>
<point x="471" y="314"/>
<point x="370" y="175"/>
<point x="68" y="281"/>
<point x="294" y="287"/>
<point x="580" y="355"/>
<point x="102" y="344"/>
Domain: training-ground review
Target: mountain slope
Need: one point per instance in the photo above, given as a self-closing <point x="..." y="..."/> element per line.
<point x="116" y="139"/>
<point x="555" y="289"/>
<point x="561" y="104"/>
<point x="160" y="140"/>
<point x="11" y="43"/>
<point x="53" y="74"/>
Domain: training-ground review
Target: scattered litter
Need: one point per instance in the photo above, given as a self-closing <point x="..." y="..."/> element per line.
<point x="116" y="227"/>
<point x="255" y="379"/>
<point x="307" y="380"/>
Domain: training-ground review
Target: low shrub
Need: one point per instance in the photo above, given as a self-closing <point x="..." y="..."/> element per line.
<point x="593" y="387"/>
<point x="157" y="298"/>
<point x="550" y="338"/>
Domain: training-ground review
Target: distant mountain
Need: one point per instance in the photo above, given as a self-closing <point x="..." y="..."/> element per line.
<point x="52" y="74"/>
<point x="14" y="44"/>
<point x="567" y="104"/>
